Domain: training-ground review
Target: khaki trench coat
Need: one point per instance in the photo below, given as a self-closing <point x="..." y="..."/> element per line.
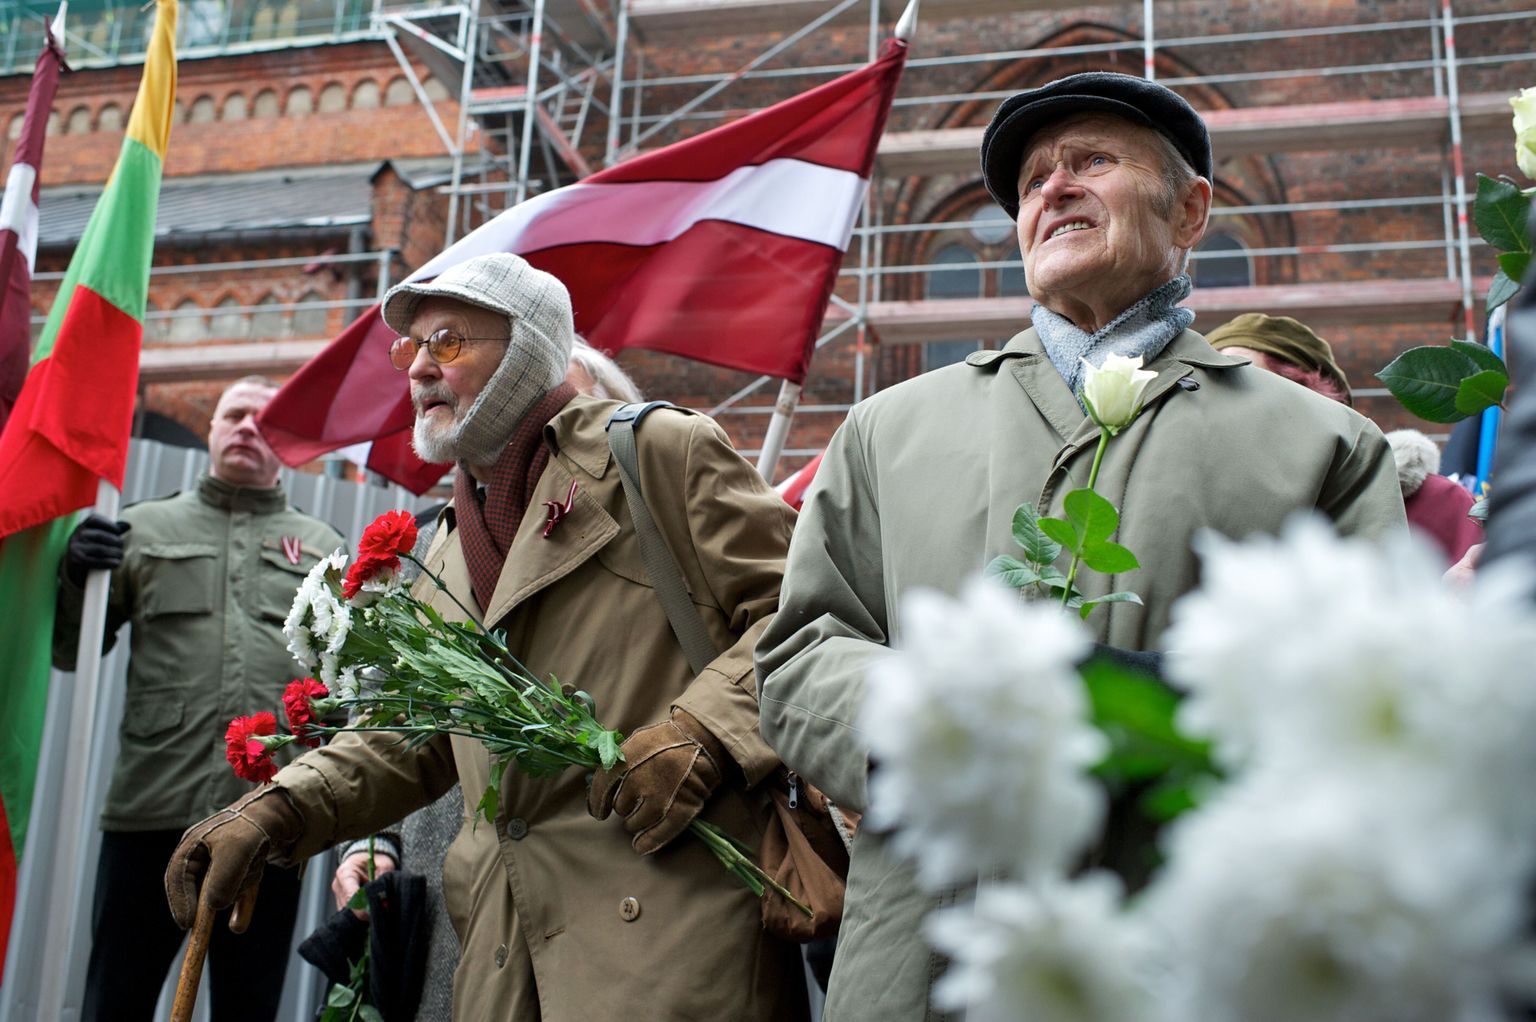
<point x="557" y="915"/>
<point x="918" y="489"/>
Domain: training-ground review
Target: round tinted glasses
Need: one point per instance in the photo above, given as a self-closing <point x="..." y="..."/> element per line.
<point x="443" y="345"/>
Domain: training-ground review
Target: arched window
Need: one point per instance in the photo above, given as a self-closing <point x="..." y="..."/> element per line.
<point x="55" y="122"/>
<point x="309" y="322"/>
<point x="269" y="321"/>
<point x="154" y="322"/>
<point x="203" y="111"/>
<point x="266" y="104"/>
<point x="186" y="325"/>
<point x="436" y="91"/>
<point x="333" y="98"/>
<point x="1221" y="260"/>
<point x="398" y="92"/>
<point x="79" y="121"/>
<point x="110" y="118"/>
<point x="227" y="325"/>
<point x="365" y="96"/>
<point x="954" y="275"/>
<point x="14" y="130"/>
<point x="235" y="107"/>
<point x="301" y="101"/>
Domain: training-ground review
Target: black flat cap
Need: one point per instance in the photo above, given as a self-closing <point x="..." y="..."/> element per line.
<point x="1136" y="99"/>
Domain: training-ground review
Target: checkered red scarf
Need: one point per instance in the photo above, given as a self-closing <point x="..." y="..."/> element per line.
<point x="486" y="533"/>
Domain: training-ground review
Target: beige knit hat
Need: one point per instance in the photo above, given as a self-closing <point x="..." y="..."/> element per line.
<point x="538" y="311"/>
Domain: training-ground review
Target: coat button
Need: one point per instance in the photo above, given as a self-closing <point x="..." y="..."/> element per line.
<point x="501" y="956"/>
<point x="629" y="909"/>
<point x="517" y="828"/>
<point x="1186" y="383"/>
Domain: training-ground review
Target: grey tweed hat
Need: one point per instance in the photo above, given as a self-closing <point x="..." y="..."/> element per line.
<point x="538" y="311"/>
<point x="1136" y="99"/>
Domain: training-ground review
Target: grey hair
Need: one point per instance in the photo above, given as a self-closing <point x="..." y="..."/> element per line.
<point x="1178" y="175"/>
<point x="608" y="380"/>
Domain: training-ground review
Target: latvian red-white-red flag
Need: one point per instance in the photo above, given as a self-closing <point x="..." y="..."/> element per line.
<point x="18" y="227"/>
<point x="722" y="248"/>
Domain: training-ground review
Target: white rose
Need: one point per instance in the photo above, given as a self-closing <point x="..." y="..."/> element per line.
<point x="1525" y="131"/>
<point x="1113" y="391"/>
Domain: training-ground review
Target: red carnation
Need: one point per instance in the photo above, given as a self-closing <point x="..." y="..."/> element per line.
<point x="301" y="713"/>
<point x="366" y="568"/>
<point x="244" y="749"/>
<point x="391" y="534"/>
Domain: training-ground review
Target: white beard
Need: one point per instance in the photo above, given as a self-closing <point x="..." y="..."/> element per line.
<point x="434" y="441"/>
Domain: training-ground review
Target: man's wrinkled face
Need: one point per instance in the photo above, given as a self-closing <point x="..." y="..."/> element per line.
<point x="1093" y="209"/>
<point x="239" y="453"/>
<point x="442" y="394"/>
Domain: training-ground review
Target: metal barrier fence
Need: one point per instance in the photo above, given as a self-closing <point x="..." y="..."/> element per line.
<point x="154" y="470"/>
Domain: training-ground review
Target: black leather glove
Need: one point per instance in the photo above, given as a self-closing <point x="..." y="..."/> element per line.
<point x="95" y="545"/>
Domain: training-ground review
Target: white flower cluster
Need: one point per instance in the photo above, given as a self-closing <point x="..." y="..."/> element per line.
<point x="1048" y="952"/>
<point x="1370" y="857"/>
<point x="318" y="624"/>
<point x="979" y="728"/>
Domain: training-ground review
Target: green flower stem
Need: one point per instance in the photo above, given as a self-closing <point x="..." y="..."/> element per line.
<point x="469" y="615"/>
<point x="741" y="864"/>
<point x="1077" y="555"/>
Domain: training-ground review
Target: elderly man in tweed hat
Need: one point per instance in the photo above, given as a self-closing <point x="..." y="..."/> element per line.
<point x="1109" y="180"/>
<point x="560" y="915"/>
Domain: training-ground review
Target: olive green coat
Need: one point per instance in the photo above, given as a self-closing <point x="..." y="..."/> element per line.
<point x="558" y="917"/>
<point x="206" y="584"/>
<point x="918" y="489"/>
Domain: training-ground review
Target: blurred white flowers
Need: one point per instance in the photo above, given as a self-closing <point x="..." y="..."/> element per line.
<point x="1368" y="857"/>
<point x="1333" y="900"/>
<point x="979" y="726"/>
<point x="1052" y="952"/>
<point x="1113" y="391"/>
<point x="1312" y="655"/>
<point x="1525" y="131"/>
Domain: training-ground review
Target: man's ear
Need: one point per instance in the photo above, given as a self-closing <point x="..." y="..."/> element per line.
<point x="1193" y="214"/>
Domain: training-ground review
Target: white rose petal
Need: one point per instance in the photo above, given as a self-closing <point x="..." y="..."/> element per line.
<point x="1113" y="391"/>
<point x="1525" y="131"/>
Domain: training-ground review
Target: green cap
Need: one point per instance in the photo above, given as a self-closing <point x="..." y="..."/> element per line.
<point x="1283" y="337"/>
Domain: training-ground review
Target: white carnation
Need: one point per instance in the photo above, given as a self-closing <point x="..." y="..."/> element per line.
<point x="978" y="726"/>
<point x="313" y="623"/>
<point x="1054" y="952"/>
<point x="1314" y="653"/>
<point x="1337" y="902"/>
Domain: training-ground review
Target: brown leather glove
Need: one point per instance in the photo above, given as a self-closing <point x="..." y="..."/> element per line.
<point x="226" y="852"/>
<point x="668" y="773"/>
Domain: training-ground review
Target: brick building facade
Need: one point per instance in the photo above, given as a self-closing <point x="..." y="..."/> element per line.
<point x="301" y="171"/>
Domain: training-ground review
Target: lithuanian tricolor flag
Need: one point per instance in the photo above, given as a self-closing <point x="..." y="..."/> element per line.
<point x="70" y="429"/>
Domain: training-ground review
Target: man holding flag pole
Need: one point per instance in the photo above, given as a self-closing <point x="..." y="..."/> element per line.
<point x="64" y="447"/>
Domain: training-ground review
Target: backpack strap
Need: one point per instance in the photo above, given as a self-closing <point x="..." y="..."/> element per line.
<point x="661" y="566"/>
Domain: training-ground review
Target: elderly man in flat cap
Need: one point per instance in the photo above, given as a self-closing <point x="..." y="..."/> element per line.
<point x="1109" y="178"/>
<point x="561" y="916"/>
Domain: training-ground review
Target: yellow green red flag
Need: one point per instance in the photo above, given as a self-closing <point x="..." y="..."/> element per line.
<point x="69" y="429"/>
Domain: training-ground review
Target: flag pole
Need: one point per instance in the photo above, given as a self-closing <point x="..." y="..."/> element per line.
<point x="778" y="429"/>
<point x="68" y="865"/>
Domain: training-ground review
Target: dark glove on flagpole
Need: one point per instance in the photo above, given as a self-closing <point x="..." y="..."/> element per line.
<point x="95" y="545"/>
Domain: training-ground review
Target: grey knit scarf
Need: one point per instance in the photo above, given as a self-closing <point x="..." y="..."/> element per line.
<point x="1143" y="329"/>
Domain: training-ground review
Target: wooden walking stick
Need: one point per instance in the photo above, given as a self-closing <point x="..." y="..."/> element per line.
<point x="197" y="948"/>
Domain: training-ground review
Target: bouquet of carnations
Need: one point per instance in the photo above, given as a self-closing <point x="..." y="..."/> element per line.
<point x="395" y="665"/>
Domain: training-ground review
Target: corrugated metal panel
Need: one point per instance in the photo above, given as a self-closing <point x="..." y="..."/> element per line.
<point x="156" y="470"/>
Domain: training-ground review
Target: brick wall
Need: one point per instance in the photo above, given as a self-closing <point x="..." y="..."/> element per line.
<point x="372" y="122"/>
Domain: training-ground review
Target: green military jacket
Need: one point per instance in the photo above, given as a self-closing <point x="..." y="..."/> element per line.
<point x="918" y="489"/>
<point x="206" y="581"/>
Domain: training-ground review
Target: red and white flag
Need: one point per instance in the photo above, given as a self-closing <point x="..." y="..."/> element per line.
<point x="722" y="248"/>
<point x="793" y="488"/>
<point x="18" y="225"/>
